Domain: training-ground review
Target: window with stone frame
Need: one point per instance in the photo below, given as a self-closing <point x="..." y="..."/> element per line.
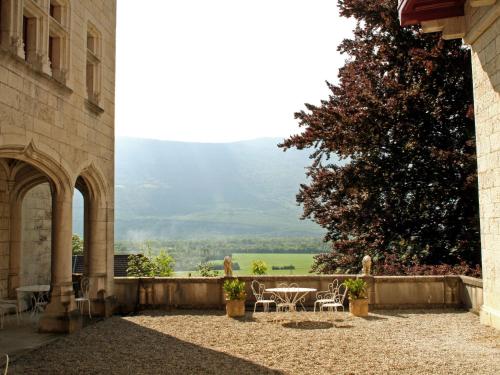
<point x="93" y="67"/>
<point x="34" y="35"/>
<point x="58" y="39"/>
<point x="2" y="22"/>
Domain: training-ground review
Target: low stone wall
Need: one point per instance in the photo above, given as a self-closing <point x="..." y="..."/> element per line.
<point x="385" y="292"/>
<point x="471" y="293"/>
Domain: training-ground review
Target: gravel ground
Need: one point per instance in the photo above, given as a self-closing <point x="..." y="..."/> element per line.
<point x="194" y="342"/>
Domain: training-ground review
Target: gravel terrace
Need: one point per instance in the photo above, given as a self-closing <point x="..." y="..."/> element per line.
<point x="207" y="342"/>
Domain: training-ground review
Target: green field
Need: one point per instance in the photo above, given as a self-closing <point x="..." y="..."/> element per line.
<point x="302" y="263"/>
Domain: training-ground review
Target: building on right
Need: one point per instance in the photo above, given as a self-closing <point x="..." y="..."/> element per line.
<point x="477" y="22"/>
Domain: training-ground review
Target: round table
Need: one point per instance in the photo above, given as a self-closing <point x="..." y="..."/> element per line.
<point x="33" y="288"/>
<point x="38" y="295"/>
<point x="290" y="296"/>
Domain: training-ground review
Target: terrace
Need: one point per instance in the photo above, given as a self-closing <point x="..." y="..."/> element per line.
<point x="445" y="341"/>
<point x="419" y="325"/>
<point x="438" y="331"/>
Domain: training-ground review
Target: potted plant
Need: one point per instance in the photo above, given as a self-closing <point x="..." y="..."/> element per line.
<point x="234" y="290"/>
<point x="358" y="302"/>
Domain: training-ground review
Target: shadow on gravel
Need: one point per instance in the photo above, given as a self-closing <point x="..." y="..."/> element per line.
<point x="373" y="317"/>
<point x="308" y="325"/>
<point x="119" y="346"/>
<point x="404" y="313"/>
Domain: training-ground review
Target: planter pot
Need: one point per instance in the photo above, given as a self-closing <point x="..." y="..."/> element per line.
<point x="359" y="307"/>
<point x="235" y="308"/>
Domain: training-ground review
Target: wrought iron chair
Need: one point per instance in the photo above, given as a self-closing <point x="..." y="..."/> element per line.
<point x="84" y="291"/>
<point x="38" y="302"/>
<point x="258" y="291"/>
<point x="327" y="296"/>
<point x="7" y="304"/>
<point x="6" y="368"/>
<point x="338" y="300"/>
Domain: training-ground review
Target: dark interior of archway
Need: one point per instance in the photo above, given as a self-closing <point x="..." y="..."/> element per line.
<point x="23" y="174"/>
<point x="28" y="216"/>
<point x="82" y="186"/>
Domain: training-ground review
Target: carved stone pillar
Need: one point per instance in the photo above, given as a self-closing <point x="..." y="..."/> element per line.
<point x="95" y="221"/>
<point x="61" y="314"/>
<point x="15" y="246"/>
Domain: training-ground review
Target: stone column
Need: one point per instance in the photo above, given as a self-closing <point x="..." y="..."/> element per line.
<point x="15" y="246"/>
<point x="95" y="223"/>
<point x="61" y="314"/>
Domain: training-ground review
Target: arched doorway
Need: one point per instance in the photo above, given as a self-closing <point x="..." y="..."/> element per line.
<point x="97" y="244"/>
<point x="34" y="186"/>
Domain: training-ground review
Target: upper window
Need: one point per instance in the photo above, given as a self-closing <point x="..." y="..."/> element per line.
<point x="37" y="31"/>
<point x="93" y="71"/>
<point x="32" y="49"/>
<point x="2" y="22"/>
<point x="59" y="12"/>
<point x="58" y="49"/>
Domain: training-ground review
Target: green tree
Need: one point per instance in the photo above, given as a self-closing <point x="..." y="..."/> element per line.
<point x="163" y="264"/>
<point x="140" y="265"/>
<point x="148" y="265"/>
<point x="77" y="244"/>
<point x="205" y="269"/>
<point x="259" y="267"/>
<point x="401" y="121"/>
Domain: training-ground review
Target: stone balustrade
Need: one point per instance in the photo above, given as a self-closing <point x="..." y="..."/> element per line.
<point x="385" y="292"/>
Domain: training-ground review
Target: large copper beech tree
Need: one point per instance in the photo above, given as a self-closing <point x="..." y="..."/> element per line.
<point x="401" y="121"/>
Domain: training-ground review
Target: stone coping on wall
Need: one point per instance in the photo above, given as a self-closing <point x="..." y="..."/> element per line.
<point x="467" y="280"/>
<point x="387" y="292"/>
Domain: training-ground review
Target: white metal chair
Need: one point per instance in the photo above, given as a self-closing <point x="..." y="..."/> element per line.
<point x="84" y="291"/>
<point x="338" y="300"/>
<point x="39" y="302"/>
<point x="6" y="368"/>
<point x="258" y="291"/>
<point x="5" y="306"/>
<point x="327" y="296"/>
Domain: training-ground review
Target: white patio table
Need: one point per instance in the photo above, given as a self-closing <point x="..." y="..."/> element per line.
<point x="288" y="297"/>
<point x="33" y="288"/>
<point x="36" y="292"/>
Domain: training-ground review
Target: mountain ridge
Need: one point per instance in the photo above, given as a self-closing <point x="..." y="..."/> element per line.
<point x="193" y="190"/>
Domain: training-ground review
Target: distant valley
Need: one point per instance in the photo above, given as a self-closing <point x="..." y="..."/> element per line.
<point x="180" y="190"/>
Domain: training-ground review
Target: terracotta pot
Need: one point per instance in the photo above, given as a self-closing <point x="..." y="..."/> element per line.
<point x="358" y="307"/>
<point x="235" y="308"/>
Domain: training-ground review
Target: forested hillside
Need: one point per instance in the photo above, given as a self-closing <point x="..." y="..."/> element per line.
<point x="178" y="190"/>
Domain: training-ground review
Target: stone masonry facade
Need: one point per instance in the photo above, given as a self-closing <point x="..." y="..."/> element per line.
<point x="486" y="74"/>
<point x="480" y="29"/>
<point x="57" y="105"/>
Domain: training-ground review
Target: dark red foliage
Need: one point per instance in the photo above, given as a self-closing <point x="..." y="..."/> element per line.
<point x="400" y="120"/>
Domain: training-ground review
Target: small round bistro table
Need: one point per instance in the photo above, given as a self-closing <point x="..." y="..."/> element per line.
<point x="288" y="297"/>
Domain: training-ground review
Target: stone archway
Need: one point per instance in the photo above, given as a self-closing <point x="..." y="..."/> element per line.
<point x="98" y="240"/>
<point x="23" y="168"/>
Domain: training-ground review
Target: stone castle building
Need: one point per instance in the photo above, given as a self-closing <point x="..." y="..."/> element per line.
<point x="478" y="23"/>
<point x="57" y="104"/>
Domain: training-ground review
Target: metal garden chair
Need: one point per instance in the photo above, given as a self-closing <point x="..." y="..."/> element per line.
<point x="338" y="300"/>
<point x="84" y="291"/>
<point x="258" y="291"/>
<point x="327" y="296"/>
<point x="5" y="306"/>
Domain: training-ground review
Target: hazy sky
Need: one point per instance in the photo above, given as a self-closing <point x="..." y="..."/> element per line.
<point x="223" y="70"/>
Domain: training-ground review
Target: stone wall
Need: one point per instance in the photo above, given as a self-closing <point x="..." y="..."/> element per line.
<point x="385" y="292"/>
<point x="4" y="235"/>
<point x="36" y="237"/>
<point x="57" y="108"/>
<point x="483" y="34"/>
<point x="471" y="293"/>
